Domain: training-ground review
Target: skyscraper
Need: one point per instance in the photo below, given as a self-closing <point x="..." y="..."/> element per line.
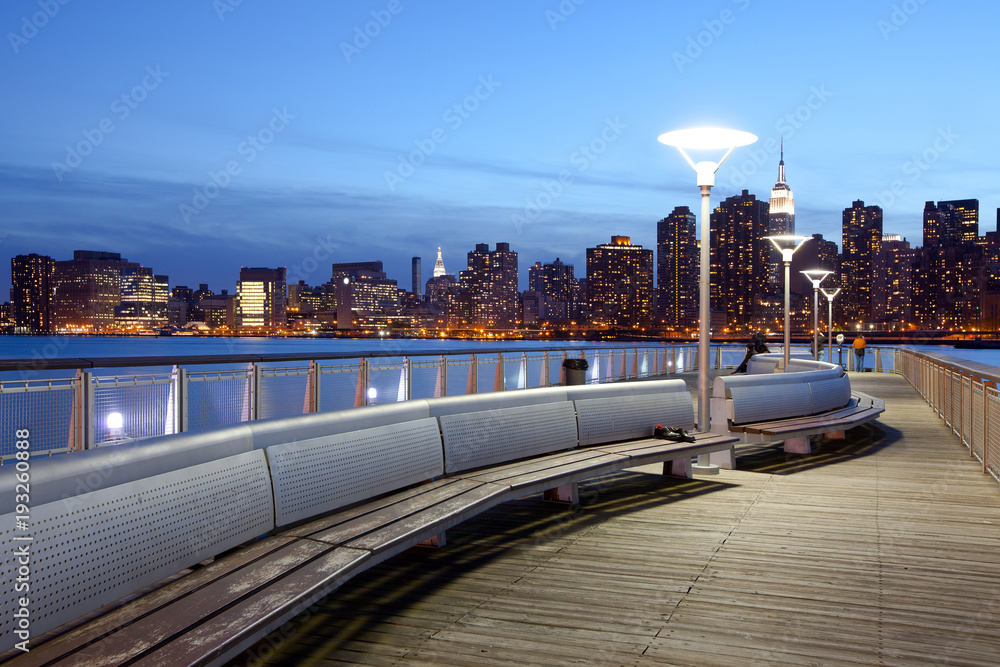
<point x="862" y="242"/>
<point x="951" y="223"/>
<point x="439" y="265"/>
<point x="31" y="293"/>
<point x="620" y="284"/>
<point x="489" y="286"/>
<point x="557" y="285"/>
<point x="86" y="290"/>
<point x="144" y="299"/>
<point x="261" y="298"/>
<point x="893" y="294"/>
<point x="780" y="220"/>
<point x="677" y="269"/>
<point x="417" y="280"/>
<point x="740" y="254"/>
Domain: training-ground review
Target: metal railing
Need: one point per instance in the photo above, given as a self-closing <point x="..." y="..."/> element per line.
<point x="965" y="395"/>
<point x="93" y="407"/>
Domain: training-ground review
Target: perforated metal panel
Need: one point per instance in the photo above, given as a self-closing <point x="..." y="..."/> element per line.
<point x="477" y="439"/>
<point x="90" y="550"/>
<point x="830" y="394"/>
<point x="761" y="403"/>
<point x="613" y="419"/>
<point x="319" y="475"/>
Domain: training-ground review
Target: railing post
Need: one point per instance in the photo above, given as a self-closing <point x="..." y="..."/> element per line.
<point x="718" y="358"/>
<point x="656" y="362"/>
<point x="87" y="403"/>
<point x="310" y="402"/>
<point x="562" y="369"/>
<point x="544" y="379"/>
<point x="472" y="385"/>
<point x="258" y="398"/>
<point x="441" y="382"/>
<point x="409" y="377"/>
<point x="180" y="399"/>
<point x="499" y="381"/>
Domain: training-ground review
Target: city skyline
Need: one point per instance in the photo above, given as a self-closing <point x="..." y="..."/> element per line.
<point x="234" y="134"/>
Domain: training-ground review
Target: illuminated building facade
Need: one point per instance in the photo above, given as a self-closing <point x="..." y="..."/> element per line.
<point x="951" y="273"/>
<point x="439" y="265"/>
<point x="739" y="257"/>
<point x="557" y="288"/>
<point x="489" y="287"/>
<point x="620" y="284"/>
<point x="144" y="298"/>
<point x="893" y="281"/>
<point x="677" y="269"/>
<point x="780" y="221"/>
<point x="369" y="292"/>
<point x="261" y="299"/>
<point x="951" y="223"/>
<point x="862" y="243"/>
<point x="86" y="290"/>
<point x="31" y="293"/>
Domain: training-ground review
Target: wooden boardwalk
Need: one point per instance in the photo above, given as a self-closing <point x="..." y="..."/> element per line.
<point x="883" y="549"/>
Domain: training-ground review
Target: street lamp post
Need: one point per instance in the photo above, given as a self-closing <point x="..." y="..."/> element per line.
<point x="787" y="245"/>
<point x="713" y="139"/>
<point x="816" y="276"/>
<point x="829" y="294"/>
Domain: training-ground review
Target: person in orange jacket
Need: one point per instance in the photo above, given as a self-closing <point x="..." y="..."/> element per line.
<point x="859" y="353"/>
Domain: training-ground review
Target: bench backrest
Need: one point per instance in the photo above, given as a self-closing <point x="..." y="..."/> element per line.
<point x="319" y="475"/>
<point x="625" y="411"/>
<point x="777" y="396"/>
<point x="91" y="549"/>
<point x="268" y="432"/>
<point x="477" y="439"/>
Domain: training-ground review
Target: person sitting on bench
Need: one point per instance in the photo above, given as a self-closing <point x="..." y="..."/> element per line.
<point x="756" y="345"/>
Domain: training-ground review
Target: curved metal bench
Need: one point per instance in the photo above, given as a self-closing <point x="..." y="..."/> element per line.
<point x="808" y="398"/>
<point x="327" y="496"/>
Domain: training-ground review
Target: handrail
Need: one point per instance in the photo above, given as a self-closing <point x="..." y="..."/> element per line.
<point x="965" y="395"/>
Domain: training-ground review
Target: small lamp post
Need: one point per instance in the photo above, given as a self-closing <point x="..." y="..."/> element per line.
<point x="816" y="276"/>
<point x="787" y="245"/>
<point x="829" y="294"/>
<point x="714" y="139"/>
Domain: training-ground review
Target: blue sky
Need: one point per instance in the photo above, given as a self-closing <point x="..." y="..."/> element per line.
<point x="196" y="136"/>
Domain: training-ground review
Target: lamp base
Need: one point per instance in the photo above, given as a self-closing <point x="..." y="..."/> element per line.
<point x="705" y="469"/>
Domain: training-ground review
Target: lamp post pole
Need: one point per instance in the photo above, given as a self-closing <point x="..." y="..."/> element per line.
<point x="705" y="138"/>
<point x="829" y="327"/>
<point x="816" y="276"/>
<point x="787" y="245"/>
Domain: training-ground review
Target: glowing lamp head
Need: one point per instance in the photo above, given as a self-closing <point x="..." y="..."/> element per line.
<point x="372" y="393"/>
<point x="115" y="421"/>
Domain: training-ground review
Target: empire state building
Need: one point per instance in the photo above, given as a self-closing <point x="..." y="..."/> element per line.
<point x="780" y="219"/>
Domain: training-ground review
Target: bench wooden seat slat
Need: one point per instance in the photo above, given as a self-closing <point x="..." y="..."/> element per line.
<point x="350" y="524"/>
<point x="178" y="611"/>
<point x="655" y="450"/>
<point x="69" y="642"/>
<point x="408" y="531"/>
<point x="224" y="633"/>
<point x="552" y="465"/>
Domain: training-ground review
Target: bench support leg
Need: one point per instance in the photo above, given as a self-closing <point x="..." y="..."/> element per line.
<point x="797" y="446"/>
<point x="724" y="459"/>
<point x="435" y="542"/>
<point x="678" y="468"/>
<point x="566" y="494"/>
<point x="836" y="435"/>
